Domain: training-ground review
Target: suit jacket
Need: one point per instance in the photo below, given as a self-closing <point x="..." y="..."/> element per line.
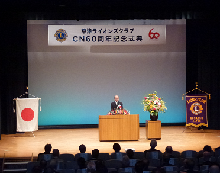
<point x="114" y="106"/>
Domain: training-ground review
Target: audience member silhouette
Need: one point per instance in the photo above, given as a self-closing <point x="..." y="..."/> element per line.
<point x="46" y="155"/>
<point x="47" y="149"/>
<point x="82" y="148"/>
<point x="95" y="154"/>
<point x="141" y="165"/>
<point x="214" y="169"/>
<point x="91" y="166"/>
<point x="81" y="163"/>
<point x="116" y="147"/>
<point x="125" y="161"/>
<point x="130" y="153"/>
<point x="153" y="145"/>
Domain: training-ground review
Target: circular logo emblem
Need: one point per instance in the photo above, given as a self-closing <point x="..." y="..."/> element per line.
<point x="196" y="108"/>
<point x="27" y="114"/>
<point x="61" y="35"/>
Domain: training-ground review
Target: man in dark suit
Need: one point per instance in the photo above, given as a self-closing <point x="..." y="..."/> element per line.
<point x="116" y="104"/>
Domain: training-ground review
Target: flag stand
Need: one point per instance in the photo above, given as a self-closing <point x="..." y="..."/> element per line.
<point x="196" y="109"/>
<point x="27" y="112"/>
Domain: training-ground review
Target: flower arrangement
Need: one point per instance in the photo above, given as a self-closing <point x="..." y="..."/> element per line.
<point x="119" y="111"/>
<point x="152" y="103"/>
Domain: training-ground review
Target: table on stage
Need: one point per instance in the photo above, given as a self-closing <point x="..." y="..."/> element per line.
<point x="118" y="127"/>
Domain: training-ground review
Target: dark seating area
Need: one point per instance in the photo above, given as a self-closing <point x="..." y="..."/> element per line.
<point x="151" y="160"/>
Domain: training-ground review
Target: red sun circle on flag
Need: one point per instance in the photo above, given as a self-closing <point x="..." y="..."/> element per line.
<point x="27" y="114"/>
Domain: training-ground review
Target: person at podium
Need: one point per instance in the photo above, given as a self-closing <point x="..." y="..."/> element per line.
<point x="116" y="104"/>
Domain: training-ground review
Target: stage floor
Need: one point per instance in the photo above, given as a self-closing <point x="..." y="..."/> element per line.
<point x="68" y="141"/>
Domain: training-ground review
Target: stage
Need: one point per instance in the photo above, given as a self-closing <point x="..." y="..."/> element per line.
<point x="68" y="141"/>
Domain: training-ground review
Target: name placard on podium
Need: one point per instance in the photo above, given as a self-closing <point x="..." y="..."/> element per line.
<point x="27" y="114"/>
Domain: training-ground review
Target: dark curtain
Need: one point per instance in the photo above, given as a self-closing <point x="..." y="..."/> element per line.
<point x="13" y="70"/>
<point x="203" y="53"/>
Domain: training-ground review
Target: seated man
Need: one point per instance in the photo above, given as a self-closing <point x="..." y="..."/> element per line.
<point x="46" y="155"/>
<point x="117" y="154"/>
<point x="82" y="149"/>
<point x="153" y="145"/>
<point x="116" y="104"/>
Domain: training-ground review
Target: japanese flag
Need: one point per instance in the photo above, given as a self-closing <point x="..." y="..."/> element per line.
<point x="27" y="114"/>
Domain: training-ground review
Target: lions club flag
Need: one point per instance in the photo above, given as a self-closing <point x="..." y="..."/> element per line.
<point x="27" y="114"/>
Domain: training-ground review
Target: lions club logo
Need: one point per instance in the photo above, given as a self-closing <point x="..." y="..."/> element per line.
<point x="61" y="35"/>
<point x="196" y="108"/>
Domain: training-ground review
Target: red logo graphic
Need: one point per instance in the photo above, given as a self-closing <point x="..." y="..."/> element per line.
<point x="153" y="35"/>
<point x="27" y="114"/>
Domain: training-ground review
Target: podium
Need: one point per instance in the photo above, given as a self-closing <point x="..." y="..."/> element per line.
<point x="153" y="129"/>
<point x="118" y="127"/>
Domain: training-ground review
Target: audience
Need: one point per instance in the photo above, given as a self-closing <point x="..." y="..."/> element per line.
<point x="95" y="165"/>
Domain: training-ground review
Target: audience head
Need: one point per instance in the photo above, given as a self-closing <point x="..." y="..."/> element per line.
<point x="169" y="149"/>
<point x="141" y="166"/>
<point x="91" y="166"/>
<point x="56" y="153"/>
<point x="153" y="143"/>
<point x="125" y="161"/>
<point x="95" y="154"/>
<point x="207" y="148"/>
<point x="206" y="155"/>
<point x="189" y="164"/>
<point x="130" y="153"/>
<point x="47" y="148"/>
<point x="214" y="169"/>
<point x="81" y="163"/>
<point x="116" y="147"/>
<point x="82" y="148"/>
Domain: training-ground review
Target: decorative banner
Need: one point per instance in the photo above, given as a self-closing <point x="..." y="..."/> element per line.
<point x="27" y="114"/>
<point x="196" y="110"/>
<point x="71" y="35"/>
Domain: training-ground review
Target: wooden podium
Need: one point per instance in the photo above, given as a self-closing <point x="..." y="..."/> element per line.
<point x="118" y="127"/>
<point x="153" y="129"/>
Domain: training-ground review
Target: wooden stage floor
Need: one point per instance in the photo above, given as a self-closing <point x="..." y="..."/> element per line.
<point x="68" y="141"/>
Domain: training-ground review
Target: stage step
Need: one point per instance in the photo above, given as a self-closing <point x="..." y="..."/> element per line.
<point x="15" y="167"/>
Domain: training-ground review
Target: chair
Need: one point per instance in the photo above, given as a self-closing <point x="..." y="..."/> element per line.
<point x="46" y="157"/>
<point x="81" y="170"/>
<point x="127" y="170"/>
<point x="112" y="170"/>
<point x="71" y="165"/>
<point x="171" y="168"/>
<point x="212" y="159"/>
<point x="113" y="163"/>
<point x="31" y="165"/>
<point x="155" y="162"/>
<point x="176" y="154"/>
<point x="204" y="169"/>
<point x="67" y="157"/>
<point x="174" y="161"/>
<point x="86" y="156"/>
<point x="154" y="155"/>
<point x="104" y="156"/>
<point x="117" y="156"/>
<point x="189" y="154"/>
<point x="132" y="162"/>
<point x="139" y="155"/>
